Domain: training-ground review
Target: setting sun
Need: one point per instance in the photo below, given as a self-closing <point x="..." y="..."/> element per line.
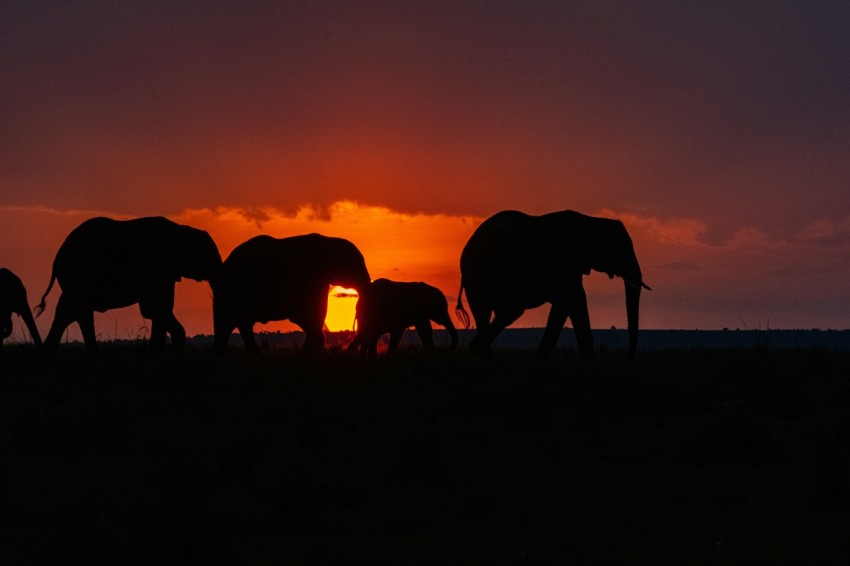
<point x="341" y="306"/>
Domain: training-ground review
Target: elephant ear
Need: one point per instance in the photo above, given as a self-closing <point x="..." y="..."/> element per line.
<point x="174" y="255"/>
<point x="555" y="244"/>
<point x="582" y="260"/>
<point x="196" y="256"/>
<point x="171" y="269"/>
<point x="576" y="255"/>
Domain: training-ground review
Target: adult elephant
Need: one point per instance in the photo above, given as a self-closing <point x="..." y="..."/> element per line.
<point x="393" y="307"/>
<point x="268" y="278"/>
<point x="108" y="264"/>
<point x="13" y="299"/>
<point x="515" y="261"/>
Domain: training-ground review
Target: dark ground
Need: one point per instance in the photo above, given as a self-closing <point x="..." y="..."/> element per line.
<point x="697" y="457"/>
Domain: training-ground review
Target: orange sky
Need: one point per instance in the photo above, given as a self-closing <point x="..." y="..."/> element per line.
<point x="691" y="278"/>
<point x="718" y="133"/>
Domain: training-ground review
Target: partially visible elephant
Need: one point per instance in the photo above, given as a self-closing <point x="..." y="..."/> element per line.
<point x="269" y="278"/>
<point x="108" y="264"/>
<point x="513" y="262"/>
<point x="393" y="307"/>
<point x="13" y="299"/>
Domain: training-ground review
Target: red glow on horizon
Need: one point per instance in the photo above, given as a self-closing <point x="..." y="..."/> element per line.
<point x="698" y="282"/>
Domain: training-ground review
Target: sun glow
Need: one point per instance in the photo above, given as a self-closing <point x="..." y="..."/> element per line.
<point x="395" y="245"/>
<point x="342" y="303"/>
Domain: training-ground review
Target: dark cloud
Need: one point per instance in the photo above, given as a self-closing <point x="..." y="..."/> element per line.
<point x="345" y="295"/>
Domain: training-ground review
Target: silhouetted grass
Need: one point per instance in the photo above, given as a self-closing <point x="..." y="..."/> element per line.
<point x="695" y="457"/>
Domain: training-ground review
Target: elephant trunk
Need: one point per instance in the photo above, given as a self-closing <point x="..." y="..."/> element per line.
<point x="453" y="334"/>
<point x="30" y="322"/>
<point x="632" y="315"/>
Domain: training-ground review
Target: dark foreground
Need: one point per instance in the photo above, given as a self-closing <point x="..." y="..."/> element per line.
<point x="735" y="457"/>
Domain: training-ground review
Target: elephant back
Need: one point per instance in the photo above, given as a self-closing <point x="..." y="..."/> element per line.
<point x="105" y="258"/>
<point x="278" y="265"/>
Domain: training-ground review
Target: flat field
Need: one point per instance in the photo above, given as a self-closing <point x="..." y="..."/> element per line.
<point x="679" y="457"/>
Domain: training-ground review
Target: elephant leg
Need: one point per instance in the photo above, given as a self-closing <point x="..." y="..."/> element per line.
<point x="363" y="343"/>
<point x="158" y="331"/>
<point x="63" y="317"/>
<point x="554" y="324"/>
<point x="26" y="315"/>
<point x="354" y="347"/>
<point x="395" y="338"/>
<point x="223" y="326"/>
<point x="443" y="319"/>
<point x="221" y="338"/>
<point x="177" y="332"/>
<point x="314" y="337"/>
<point x="358" y="343"/>
<point x="482" y="313"/>
<point x="372" y="346"/>
<point x="86" y="321"/>
<point x="426" y="334"/>
<point x="158" y="306"/>
<point x="246" y="330"/>
<point x="581" y="324"/>
<point x="312" y="321"/>
<point x="503" y="318"/>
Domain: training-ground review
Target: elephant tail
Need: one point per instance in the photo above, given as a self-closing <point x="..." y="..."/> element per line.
<point x="39" y="308"/>
<point x="460" y="312"/>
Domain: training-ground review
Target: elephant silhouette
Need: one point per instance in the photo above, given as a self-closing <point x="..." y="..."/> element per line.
<point x="13" y="299"/>
<point x="393" y="307"/>
<point x="514" y="261"/>
<point x="107" y="264"/>
<point x="268" y="278"/>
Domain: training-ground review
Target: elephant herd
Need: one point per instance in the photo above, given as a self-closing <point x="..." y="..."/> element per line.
<point x="512" y="262"/>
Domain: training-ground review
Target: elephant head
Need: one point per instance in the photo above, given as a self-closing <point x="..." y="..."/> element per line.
<point x="13" y="299"/>
<point x="196" y="255"/>
<point x="348" y="268"/>
<point x="610" y="250"/>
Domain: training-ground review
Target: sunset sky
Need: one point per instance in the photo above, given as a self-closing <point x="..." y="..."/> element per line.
<point x="718" y="132"/>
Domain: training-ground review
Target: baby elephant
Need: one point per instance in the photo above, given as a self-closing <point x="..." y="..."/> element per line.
<point x="13" y="299"/>
<point x="392" y="307"/>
